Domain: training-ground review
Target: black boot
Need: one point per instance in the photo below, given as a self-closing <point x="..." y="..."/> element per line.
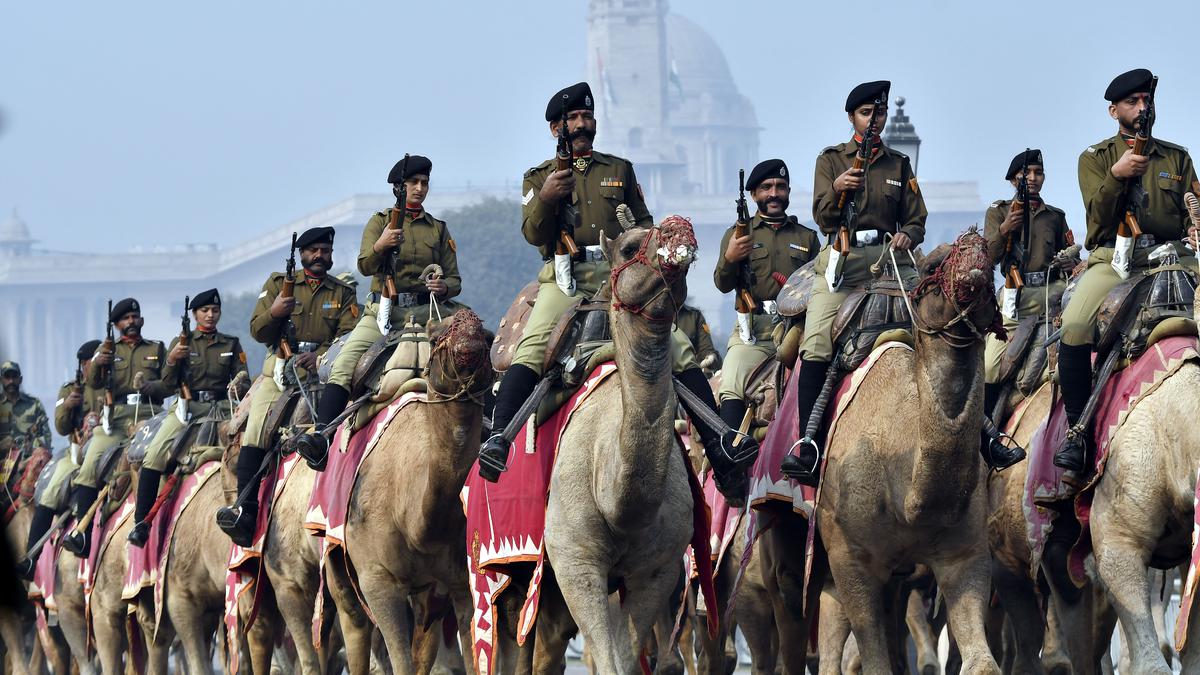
<point x="314" y="447"/>
<point x="239" y="522"/>
<point x="1075" y="378"/>
<point x="79" y="543"/>
<point x="728" y="452"/>
<point x="147" y="494"/>
<point x="997" y="455"/>
<point x="516" y="386"/>
<point x="802" y="462"/>
<point x="43" y="517"/>
<point x="732" y="411"/>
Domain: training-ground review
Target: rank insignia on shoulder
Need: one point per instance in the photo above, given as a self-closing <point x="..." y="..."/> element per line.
<point x="527" y="198"/>
<point x="453" y="246"/>
<point x="1091" y="149"/>
<point x="612" y="182"/>
<point x="354" y="311"/>
<point x="1166" y="174"/>
<point x="894" y="182"/>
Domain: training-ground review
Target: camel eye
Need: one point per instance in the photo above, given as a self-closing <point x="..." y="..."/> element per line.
<point x="630" y="249"/>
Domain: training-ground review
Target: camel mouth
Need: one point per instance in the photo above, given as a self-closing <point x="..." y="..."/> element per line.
<point x="466" y="338"/>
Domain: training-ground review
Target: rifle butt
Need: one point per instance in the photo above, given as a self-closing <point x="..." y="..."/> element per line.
<point x="566" y="244"/>
<point x="87" y="518"/>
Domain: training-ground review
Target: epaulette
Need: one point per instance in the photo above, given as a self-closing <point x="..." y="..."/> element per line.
<point x="539" y="167"/>
<point x="1097" y="147"/>
<point x="996" y="204"/>
<point x="831" y="148"/>
<point x="1054" y="209"/>
<point x="338" y="282"/>
<point x="1169" y="144"/>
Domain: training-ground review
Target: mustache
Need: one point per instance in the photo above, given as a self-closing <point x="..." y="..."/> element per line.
<point x="131" y="330"/>
<point x="773" y="200"/>
<point x="583" y="132"/>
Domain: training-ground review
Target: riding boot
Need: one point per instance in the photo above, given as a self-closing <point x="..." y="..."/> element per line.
<point x="733" y="410"/>
<point x="516" y="386"/>
<point x="79" y="543"/>
<point x="239" y="521"/>
<point x="43" y="517"/>
<point x="147" y="494"/>
<point x="803" y="467"/>
<point x="314" y="447"/>
<point x="997" y="455"/>
<point x="729" y="453"/>
<point x="1075" y="378"/>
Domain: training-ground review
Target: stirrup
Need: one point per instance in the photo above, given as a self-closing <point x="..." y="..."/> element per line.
<point x="139" y="535"/>
<point x="314" y="448"/>
<point x="793" y="466"/>
<point x="229" y="519"/>
<point x="490" y="466"/>
<point x="746" y="447"/>
<point x="995" y="447"/>
<point x="77" y="543"/>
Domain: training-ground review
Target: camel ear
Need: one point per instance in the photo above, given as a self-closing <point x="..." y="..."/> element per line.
<point x="606" y="246"/>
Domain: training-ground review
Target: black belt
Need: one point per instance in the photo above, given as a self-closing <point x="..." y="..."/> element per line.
<point x="402" y="300"/>
<point x="1036" y="278"/>
<point x="1143" y="241"/>
<point x="209" y="395"/>
<point x="875" y="241"/>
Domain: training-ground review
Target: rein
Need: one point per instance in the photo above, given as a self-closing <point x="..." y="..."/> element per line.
<point x="469" y="387"/>
<point x="642" y="259"/>
<point x="946" y="284"/>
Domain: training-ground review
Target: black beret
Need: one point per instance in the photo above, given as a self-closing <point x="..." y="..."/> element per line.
<point x="87" y="350"/>
<point x="315" y="235"/>
<point x="416" y="164"/>
<point x="575" y="97"/>
<point x="122" y="308"/>
<point x="867" y="92"/>
<point x="1135" y="81"/>
<point x="10" y="367"/>
<point x="770" y="168"/>
<point x="1027" y="157"/>
<point x="205" y="298"/>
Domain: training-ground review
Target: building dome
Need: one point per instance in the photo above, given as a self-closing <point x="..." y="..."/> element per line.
<point x="14" y="236"/>
<point x="700" y="88"/>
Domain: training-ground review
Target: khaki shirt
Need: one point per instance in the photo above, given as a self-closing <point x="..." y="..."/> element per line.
<point x="145" y="356"/>
<point x="781" y="250"/>
<point x="214" y="360"/>
<point x="890" y="200"/>
<point x="26" y="421"/>
<point x="1168" y="177"/>
<point x="68" y="420"/>
<point x="323" y="311"/>
<point x="427" y="241"/>
<point x="607" y="182"/>
<point x="1048" y="234"/>
<point x="691" y="321"/>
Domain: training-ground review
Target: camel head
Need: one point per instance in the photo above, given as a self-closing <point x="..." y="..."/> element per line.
<point x="956" y="299"/>
<point x="649" y="269"/>
<point x="458" y="363"/>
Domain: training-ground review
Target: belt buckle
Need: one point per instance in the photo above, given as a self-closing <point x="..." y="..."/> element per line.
<point x="133" y="399"/>
<point x="1035" y="279"/>
<point x="593" y="253"/>
<point x="770" y="307"/>
<point x="305" y="347"/>
<point x="866" y="238"/>
<point x="1144" y="241"/>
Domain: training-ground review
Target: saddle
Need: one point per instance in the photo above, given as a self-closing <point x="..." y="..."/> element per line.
<point x="60" y="499"/>
<point x="512" y="327"/>
<point x="793" y="297"/>
<point x="1133" y="311"/>
<point x="869" y="315"/>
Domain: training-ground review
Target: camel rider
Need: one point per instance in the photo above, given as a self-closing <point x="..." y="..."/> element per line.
<point x="774" y="246"/>
<point x="418" y="242"/>
<point x="28" y="423"/>
<point x="1166" y="172"/>
<point x="691" y="322"/>
<point x="205" y="368"/>
<point x="593" y="186"/>
<point x="321" y="309"/>
<point x="75" y="401"/>
<point x="1043" y="274"/>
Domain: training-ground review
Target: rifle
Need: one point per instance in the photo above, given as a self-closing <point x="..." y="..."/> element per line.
<point x="1136" y="198"/>
<point x="185" y="392"/>
<point x="743" y="300"/>
<point x="840" y="244"/>
<point x="77" y="413"/>
<point x="568" y="214"/>
<point x="1014" y="256"/>
<point x="284" y="350"/>
<point x="109" y="346"/>
<point x="387" y="271"/>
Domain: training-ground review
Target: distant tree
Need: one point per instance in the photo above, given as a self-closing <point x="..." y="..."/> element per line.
<point x="494" y="259"/>
<point x="235" y="320"/>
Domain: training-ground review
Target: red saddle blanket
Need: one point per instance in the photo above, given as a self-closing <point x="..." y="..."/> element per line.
<point x="244" y="578"/>
<point x="506" y="523"/>
<point x="45" y="578"/>
<point x="725" y="521"/>
<point x="1044" y="482"/>
<point x="147" y="565"/>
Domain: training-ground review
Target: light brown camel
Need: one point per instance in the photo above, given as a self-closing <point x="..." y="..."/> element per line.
<point x="109" y="612"/>
<point x="619" y="512"/>
<point x="752" y="613"/>
<point x="904" y="481"/>
<point x="405" y="529"/>
<point x="16" y="658"/>
<point x="1143" y="510"/>
<point x="68" y="597"/>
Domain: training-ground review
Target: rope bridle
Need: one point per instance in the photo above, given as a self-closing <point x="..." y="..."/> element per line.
<point x="952" y="288"/>
<point x="678" y="234"/>
<point x="472" y="387"/>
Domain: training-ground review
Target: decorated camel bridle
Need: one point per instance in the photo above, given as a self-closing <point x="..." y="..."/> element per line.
<point x="676" y="248"/>
<point x="952" y="278"/>
<point x="465" y="324"/>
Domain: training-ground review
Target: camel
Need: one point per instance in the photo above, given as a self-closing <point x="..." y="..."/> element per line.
<point x="109" y="612"/>
<point x="751" y="602"/>
<point x="68" y="595"/>
<point x="405" y="529"/>
<point x="890" y="498"/>
<point x="16" y="661"/>
<point x="1142" y="512"/>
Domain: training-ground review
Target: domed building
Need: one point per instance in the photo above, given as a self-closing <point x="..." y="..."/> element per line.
<point x="14" y="237"/>
<point x="666" y="99"/>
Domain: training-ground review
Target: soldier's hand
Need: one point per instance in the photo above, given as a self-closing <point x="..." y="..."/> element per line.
<point x="306" y="360"/>
<point x="73" y="399"/>
<point x="102" y="358"/>
<point x="388" y="239"/>
<point x="1130" y="165"/>
<point x="1012" y="221"/>
<point x="851" y="180"/>
<point x="557" y="187"/>
<point x="738" y="248"/>
<point x="178" y="353"/>
<point x="901" y="242"/>
<point x="436" y="286"/>
<point x="282" y="307"/>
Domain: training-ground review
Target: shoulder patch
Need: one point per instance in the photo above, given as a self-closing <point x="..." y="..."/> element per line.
<point x="996" y="204"/>
<point x="453" y="246"/>
<point x="354" y="310"/>
<point x="1054" y="209"/>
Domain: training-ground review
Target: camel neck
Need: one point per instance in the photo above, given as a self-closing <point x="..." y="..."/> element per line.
<point x="946" y="468"/>
<point x="454" y="429"/>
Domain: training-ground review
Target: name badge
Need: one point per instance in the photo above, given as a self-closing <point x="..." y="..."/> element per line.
<point x="894" y="182"/>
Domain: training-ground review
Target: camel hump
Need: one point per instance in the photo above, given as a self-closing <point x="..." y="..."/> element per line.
<point x="512" y="327"/>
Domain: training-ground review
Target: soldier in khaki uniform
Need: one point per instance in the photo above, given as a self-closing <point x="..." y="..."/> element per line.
<point x="30" y="428"/>
<point x="214" y="361"/>
<point x="132" y="359"/>
<point x="1166" y="172"/>
<point x="420" y="241"/>
<point x="775" y="245"/>
<point x="691" y="322"/>
<point x="596" y="184"/>
<point x="70" y="410"/>
<point x="322" y="309"/>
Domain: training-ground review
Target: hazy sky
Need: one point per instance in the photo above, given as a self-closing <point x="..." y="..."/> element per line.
<point x="149" y="122"/>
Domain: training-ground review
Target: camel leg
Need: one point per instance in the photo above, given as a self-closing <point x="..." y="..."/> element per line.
<point x="758" y="625"/>
<point x="833" y="631"/>
<point x="388" y="597"/>
<point x="109" y="630"/>
<point x="14" y="641"/>
<point x="923" y="638"/>
<point x="555" y="628"/>
<point x="1160" y="585"/>
<point x="1123" y="568"/>
<point x="1017" y="598"/>
<point x="965" y="586"/>
<point x="783" y="574"/>
<point x="426" y="639"/>
<point x="352" y="617"/>
<point x="871" y="619"/>
<point x="190" y="625"/>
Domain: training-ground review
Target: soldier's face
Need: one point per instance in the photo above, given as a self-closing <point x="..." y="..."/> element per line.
<point x="582" y="125"/>
<point x="317" y="259"/>
<point x="207" y="317"/>
<point x="130" y="325"/>
<point x="861" y="118"/>
<point x="1126" y="111"/>
<point x="772" y="196"/>
<point x="1034" y="178"/>
<point x="12" y="382"/>
<point x="416" y="188"/>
